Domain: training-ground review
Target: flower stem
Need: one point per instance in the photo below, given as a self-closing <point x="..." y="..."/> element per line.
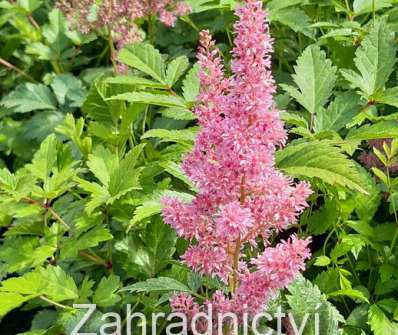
<point x="10" y="66"/>
<point x="54" y="303"/>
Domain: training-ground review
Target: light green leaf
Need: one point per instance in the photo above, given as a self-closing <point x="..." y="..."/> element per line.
<point x="339" y="112"/>
<point x="374" y="59"/>
<point x="134" y="81"/>
<point x="177" y="113"/>
<point x="158" y="284"/>
<point x="191" y="84"/>
<point x="44" y="159"/>
<point x="315" y="77"/>
<point x="10" y="301"/>
<point x="176" y="69"/>
<point x="351" y="293"/>
<point x="29" y="5"/>
<point x="366" y="6"/>
<point x="164" y="100"/>
<point x="69" y="90"/>
<point x="384" y="129"/>
<point x="319" y="159"/>
<point x="305" y="300"/>
<point x="51" y="282"/>
<point x="146" y="58"/>
<point x="153" y="206"/>
<point x="179" y="136"/>
<point x="322" y="261"/>
<point x="388" y="97"/>
<point x="379" y="323"/>
<point x="104" y="295"/>
<point x="295" y="18"/>
<point x="30" y="97"/>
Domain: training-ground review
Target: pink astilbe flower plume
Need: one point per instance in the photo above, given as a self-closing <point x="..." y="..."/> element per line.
<point x="242" y="199"/>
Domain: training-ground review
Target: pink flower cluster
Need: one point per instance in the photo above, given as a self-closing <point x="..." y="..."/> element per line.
<point x="243" y="199"/>
<point x="120" y="15"/>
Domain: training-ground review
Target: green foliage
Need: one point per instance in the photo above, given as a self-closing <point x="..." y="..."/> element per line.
<point x="87" y="154"/>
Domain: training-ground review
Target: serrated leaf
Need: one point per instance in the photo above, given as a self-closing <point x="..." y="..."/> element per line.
<point x="380" y="130"/>
<point x="322" y="261"/>
<point x="158" y="284"/>
<point x="191" y="84"/>
<point x="340" y="111"/>
<point x="379" y="323"/>
<point x="52" y="282"/>
<point x="178" y="114"/>
<point x="176" y="69"/>
<point x="295" y="18"/>
<point x="305" y="298"/>
<point x="164" y="100"/>
<point x="374" y="59"/>
<point x="179" y="136"/>
<point x="146" y="58"/>
<point x="44" y="159"/>
<point x="69" y="90"/>
<point x="104" y="295"/>
<point x="320" y="159"/>
<point x="10" y="301"/>
<point x="117" y="176"/>
<point x="30" y="97"/>
<point x="134" y="81"/>
<point x="366" y="6"/>
<point x="388" y="97"/>
<point x="315" y="77"/>
<point x="153" y="206"/>
<point x="351" y="293"/>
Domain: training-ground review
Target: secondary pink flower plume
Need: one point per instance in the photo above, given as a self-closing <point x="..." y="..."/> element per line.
<point x="242" y="199"/>
<point x="120" y="15"/>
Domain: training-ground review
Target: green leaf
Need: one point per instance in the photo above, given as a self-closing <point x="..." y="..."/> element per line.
<point x="179" y="136"/>
<point x="191" y="84"/>
<point x="366" y="6"/>
<point x="340" y="111"/>
<point x="10" y="301"/>
<point x="157" y="249"/>
<point x="51" y="282"/>
<point x="104" y="295"/>
<point x="322" y="261"/>
<point x="295" y="18"/>
<point x="305" y="300"/>
<point x="388" y="97"/>
<point x="30" y="97"/>
<point x="89" y="239"/>
<point x="178" y="114"/>
<point x="164" y="100"/>
<point x="384" y="129"/>
<point x="146" y="58"/>
<point x="374" y="59"/>
<point x="44" y="159"/>
<point x="315" y="77"/>
<point x="134" y="81"/>
<point x="69" y="90"/>
<point x="158" y="284"/>
<point x="351" y="293"/>
<point x="153" y="206"/>
<point x="176" y="69"/>
<point x="29" y="5"/>
<point x="379" y="323"/>
<point x="319" y="159"/>
<point x="117" y="176"/>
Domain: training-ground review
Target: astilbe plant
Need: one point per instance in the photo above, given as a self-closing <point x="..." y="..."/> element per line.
<point x="120" y="16"/>
<point x="243" y="200"/>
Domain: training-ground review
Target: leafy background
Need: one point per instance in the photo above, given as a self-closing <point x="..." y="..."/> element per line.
<point x="86" y="154"/>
